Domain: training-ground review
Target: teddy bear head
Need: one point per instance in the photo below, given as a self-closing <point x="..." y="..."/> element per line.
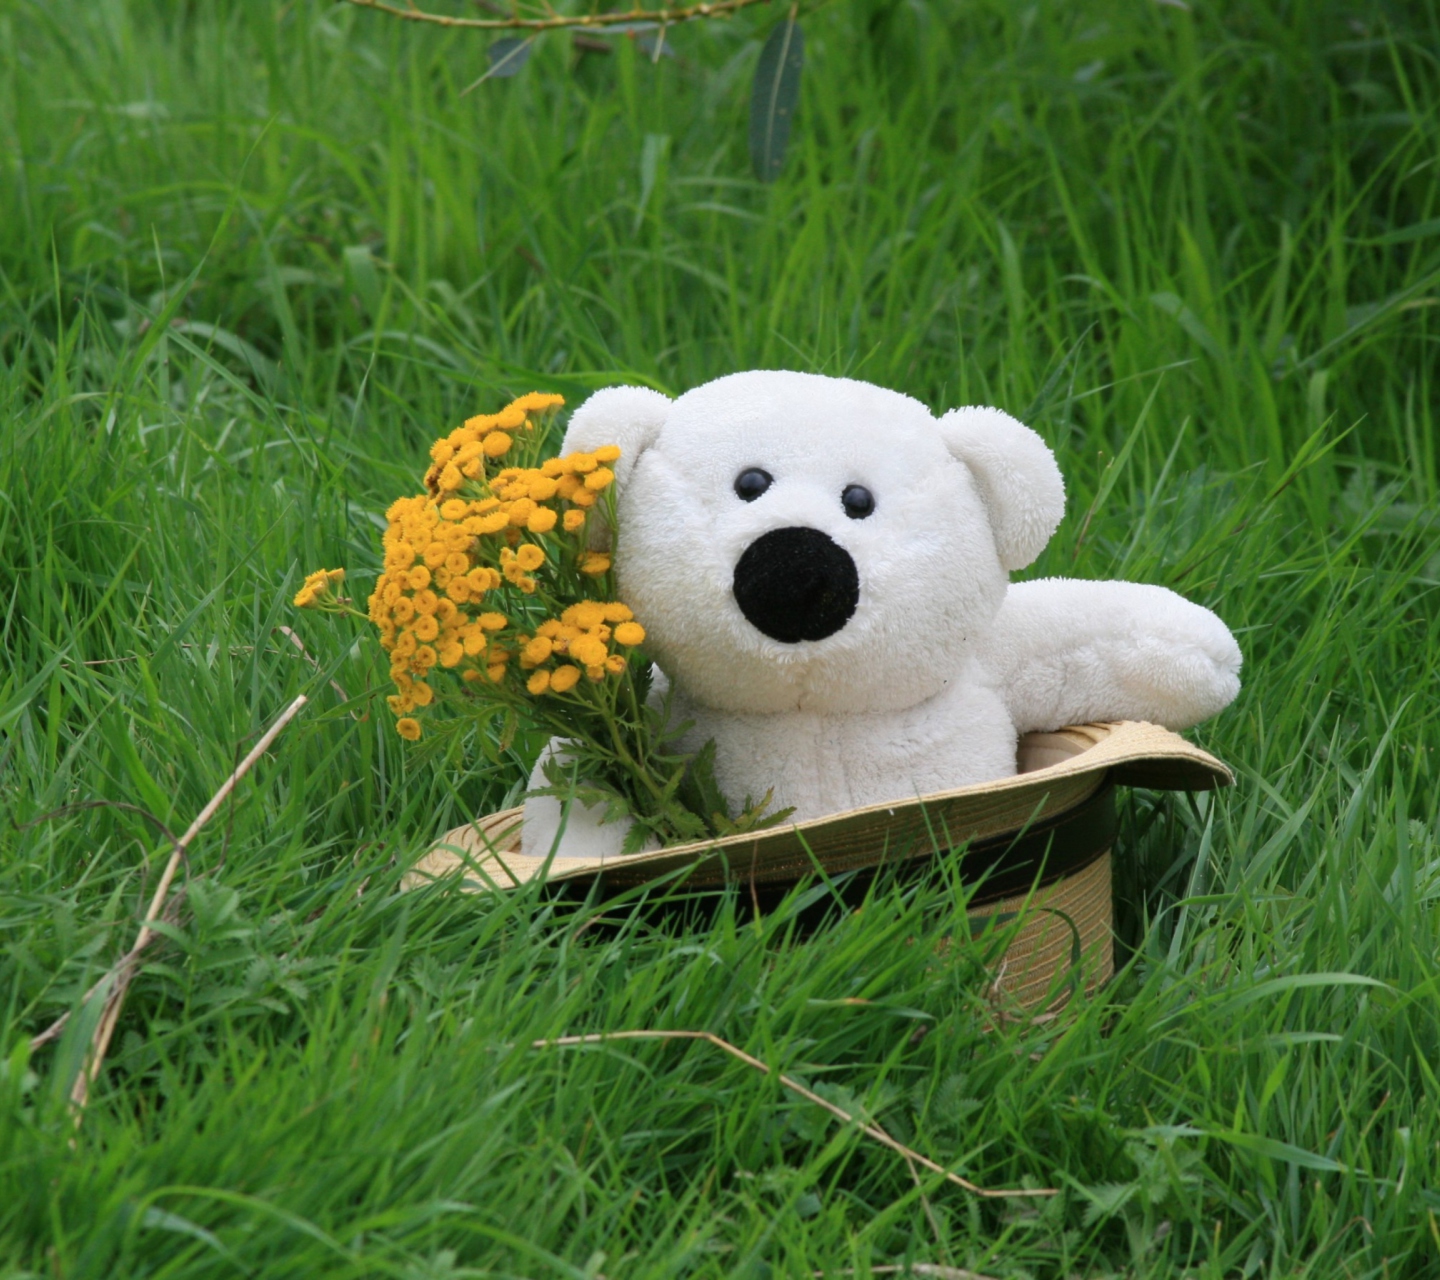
<point x="797" y="542"/>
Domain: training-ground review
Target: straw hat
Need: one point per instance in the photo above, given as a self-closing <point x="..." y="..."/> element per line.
<point x="1038" y="843"/>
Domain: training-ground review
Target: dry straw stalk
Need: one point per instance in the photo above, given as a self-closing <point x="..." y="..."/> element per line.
<point x="118" y="976"/>
<point x="666" y="16"/>
<point x="872" y="1131"/>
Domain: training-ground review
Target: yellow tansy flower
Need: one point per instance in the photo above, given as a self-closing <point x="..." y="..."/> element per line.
<point x="589" y="651"/>
<point x="537" y="402"/>
<point x="564" y="678"/>
<point x="586" y="614"/>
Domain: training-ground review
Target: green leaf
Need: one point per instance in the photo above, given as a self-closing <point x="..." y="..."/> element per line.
<point x="1106" y="1199"/>
<point x="1274" y="1149"/>
<point x="775" y="96"/>
<point x="653" y="151"/>
<point x="364" y="278"/>
<point x="151" y="795"/>
<point x="699" y="792"/>
<point x="635" y="838"/>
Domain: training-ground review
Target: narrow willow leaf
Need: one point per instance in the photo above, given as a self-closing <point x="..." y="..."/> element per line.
<point x="507" y="56"/>
<point x="774" y="97"/>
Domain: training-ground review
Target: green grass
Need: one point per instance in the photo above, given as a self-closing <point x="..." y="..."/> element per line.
<point x="253" y="257"/>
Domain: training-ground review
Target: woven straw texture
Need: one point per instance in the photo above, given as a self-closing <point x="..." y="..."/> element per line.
<point x="1064" y="920"/>
<point x="1058" y="772"/>
<point x="1068" y="919"/>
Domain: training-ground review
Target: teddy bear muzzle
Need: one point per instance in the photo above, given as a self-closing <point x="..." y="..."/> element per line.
<point x="796" y="584"/>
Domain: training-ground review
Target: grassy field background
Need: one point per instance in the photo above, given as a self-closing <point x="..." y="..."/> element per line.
<point x="254" y="256"/>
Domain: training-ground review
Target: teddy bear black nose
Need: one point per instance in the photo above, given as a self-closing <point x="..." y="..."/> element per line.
<point x="796" y="584"/>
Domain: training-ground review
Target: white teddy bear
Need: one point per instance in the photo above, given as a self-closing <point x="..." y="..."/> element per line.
<point x="821" y="567"/>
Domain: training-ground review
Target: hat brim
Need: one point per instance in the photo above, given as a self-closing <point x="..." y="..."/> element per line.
<point x="1059" y="772"/>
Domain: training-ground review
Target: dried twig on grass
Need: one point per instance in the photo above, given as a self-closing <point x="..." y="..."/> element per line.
<point x="171" y="915"/>
<point x="555" y="21"/>
<point x="873" y="1131"/>
<point x="931" y="1270"/>
<point x="124" y="969"/>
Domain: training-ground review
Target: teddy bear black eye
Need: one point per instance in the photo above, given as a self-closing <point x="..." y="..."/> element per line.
<point x="751" y="483"/>
<point x="858" y="501"/>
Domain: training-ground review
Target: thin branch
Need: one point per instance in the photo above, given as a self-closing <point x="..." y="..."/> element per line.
<point x="873" y="1131"/>
<point x="121" y="966"/>
<point x="560" y="21"/>
<point x="121" y="973"/>
<point x="932" y="1270"/>
<point x="925" y="1202"/>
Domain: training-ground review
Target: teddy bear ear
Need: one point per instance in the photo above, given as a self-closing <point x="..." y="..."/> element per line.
<point x="1018" y="478"/>
<point x="628" y="416"/>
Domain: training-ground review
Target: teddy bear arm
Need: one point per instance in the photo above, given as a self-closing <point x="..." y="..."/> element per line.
<point x="1065" y="651"/>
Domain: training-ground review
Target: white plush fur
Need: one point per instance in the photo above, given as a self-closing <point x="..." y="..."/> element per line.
<point x="943" y="662"/>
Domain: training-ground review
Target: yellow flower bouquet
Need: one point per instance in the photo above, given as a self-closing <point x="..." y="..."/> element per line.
<point x="495" y="609"/>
